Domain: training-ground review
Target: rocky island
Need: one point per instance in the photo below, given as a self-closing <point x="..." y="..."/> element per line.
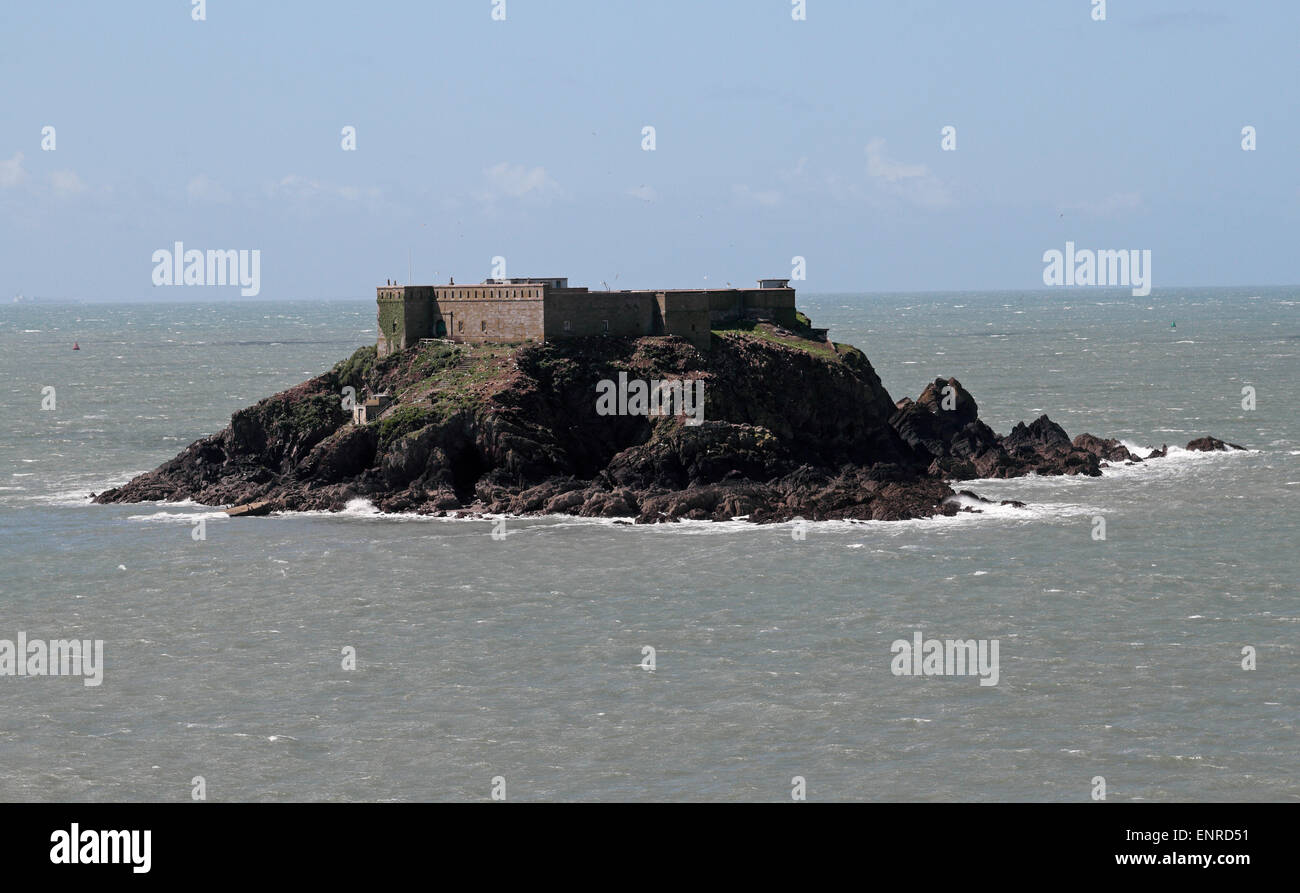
<point x="793" y="425"/>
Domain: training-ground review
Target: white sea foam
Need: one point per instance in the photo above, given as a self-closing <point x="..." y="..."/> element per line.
<point x="1181" y="455"/>
<point x="73" y="490"/>
<point x="1032" y="488"/>
<point x="359" y="508"/>
<point x="364" y="510"/>
<point x="185" y="517"/>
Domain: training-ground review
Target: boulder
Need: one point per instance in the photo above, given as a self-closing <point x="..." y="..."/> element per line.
<point x="1212" y="444"/>
<point x="1109" y="449"/>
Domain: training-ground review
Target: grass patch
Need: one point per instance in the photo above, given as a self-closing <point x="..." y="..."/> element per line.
<point x="447" y="378"/>
<point x="434" y="359"/>
<point x="767" y="333"/>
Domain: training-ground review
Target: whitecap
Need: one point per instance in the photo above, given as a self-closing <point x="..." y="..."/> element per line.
<point x="185" y="517"/>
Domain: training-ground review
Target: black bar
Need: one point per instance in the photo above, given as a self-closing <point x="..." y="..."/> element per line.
<point x="336" y="842"/>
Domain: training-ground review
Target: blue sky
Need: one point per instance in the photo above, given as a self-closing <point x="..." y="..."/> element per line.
<point x="523" y="138"/>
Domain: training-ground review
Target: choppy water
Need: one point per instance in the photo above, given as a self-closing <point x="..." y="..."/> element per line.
<point x="520" y="658"/>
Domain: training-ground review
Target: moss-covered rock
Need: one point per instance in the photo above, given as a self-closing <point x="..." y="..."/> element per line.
<point x="402" y="421"/>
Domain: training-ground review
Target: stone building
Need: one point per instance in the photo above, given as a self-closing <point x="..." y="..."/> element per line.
<point x="371" y="409"/>
<point x="542" y="309"/>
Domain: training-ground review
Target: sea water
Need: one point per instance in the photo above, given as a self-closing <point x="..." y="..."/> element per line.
<point x="524" y="657"/>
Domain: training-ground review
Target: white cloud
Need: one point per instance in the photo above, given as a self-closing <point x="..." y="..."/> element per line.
<point x="294" y="186"/>
<point x="205" y="189"/>
<point x="768" y="198"/>
<point x="892" y="171"/>
<point x="11" y="171"/>
<point x="516" y="181"/>
<point x="645" y="193"/>
<point x="65" y="183"/>
<point x="912" y="182"/>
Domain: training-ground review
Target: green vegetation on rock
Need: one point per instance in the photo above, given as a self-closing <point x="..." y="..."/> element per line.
<point x="766" y="332"/>
<point x="357" y="370"/>
<point x="303" y="418"/>
<point x="404" y="420"/>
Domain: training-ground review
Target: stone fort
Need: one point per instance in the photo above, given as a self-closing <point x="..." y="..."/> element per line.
<point x="543" y="309"/>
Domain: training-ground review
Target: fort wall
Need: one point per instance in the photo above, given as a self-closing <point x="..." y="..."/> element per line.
<point x="579" y="313"/>
<point x="394" y="313"/>
<point x="686" y="314"/>
<point x="478" y="313"/>
<point x="537" y="310"/>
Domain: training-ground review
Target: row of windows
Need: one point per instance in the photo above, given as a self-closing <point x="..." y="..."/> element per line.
<point x="485" y="293"/>
<point x="497" y="293"/>
<point x="482" y="325"/>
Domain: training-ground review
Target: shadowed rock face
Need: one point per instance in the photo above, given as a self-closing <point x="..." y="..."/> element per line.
<point x="798" y="431"/>
<point x="1211" y="444"/>
<point x="1111" y="450"/>
<point x="943" y="429"/>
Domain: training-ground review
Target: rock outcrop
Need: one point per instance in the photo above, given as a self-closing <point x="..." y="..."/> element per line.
<point x="1211" y="444"/>
<point x="791" y="428"/>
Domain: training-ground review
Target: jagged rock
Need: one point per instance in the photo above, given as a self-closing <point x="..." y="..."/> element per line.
<point x="620" y="503"/>
<point x="344" y="454"/>
<point x="786" y="433"/>
<point x="1109" y="449"/>
<point x="1212" y="444"/>
<point x="936" y="397"/>
<point x="1041" y="434"/>
<point x="930" y="429"/>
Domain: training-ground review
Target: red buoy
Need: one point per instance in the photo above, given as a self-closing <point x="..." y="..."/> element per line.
<point x="76" y="346"/>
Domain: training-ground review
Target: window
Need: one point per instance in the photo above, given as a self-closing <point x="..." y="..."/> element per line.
<point x="482" y="325"/>
<point x="460" y="326"/>
<point x="568" y="326"/>
<point x="604" y="325"/>
<point x="394" y="327"/>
